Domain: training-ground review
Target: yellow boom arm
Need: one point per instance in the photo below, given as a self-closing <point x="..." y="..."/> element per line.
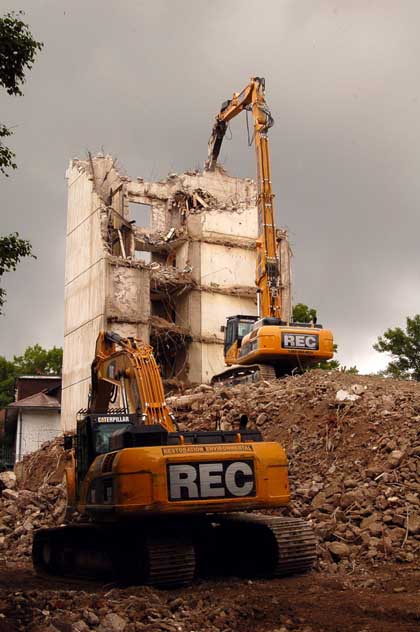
<point x="129" y="364"/>
<point x="252" y="98"/>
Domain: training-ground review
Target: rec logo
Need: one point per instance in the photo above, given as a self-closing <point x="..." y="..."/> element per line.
<point x="300" y="341"/>
<point x="212" y="479"/>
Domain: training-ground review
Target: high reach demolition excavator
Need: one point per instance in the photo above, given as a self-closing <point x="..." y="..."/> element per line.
<point x="264" y="346"/>
<point x="157" y="504"/>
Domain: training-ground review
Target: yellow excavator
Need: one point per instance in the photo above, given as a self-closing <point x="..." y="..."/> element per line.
<point x="158" y="505"/>
<point x="263" y="345"/>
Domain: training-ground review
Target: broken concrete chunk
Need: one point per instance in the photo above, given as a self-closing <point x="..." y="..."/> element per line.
<point x="319" y="500"/>
<point x="344" y="396"/>
<point x="395" y="458"/>
<point x="10" y="494"/>
<point x="413" y="523"/>
<point x="358" y="389"/>
<point x="112" y="622"/>
<point x="375" y="528"/>
<point x="339" y="549"/>
<point x="366" y="522"/>
<point x="8" y="480"/>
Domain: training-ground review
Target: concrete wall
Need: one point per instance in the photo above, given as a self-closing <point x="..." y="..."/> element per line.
<point x="240" y="223"/>
<point x="226" y="267"/>
<point x="127" y="306"/>
<point x="84" y="290"/>
<point x="101" y="292"/>
<point x="34" y="428"/>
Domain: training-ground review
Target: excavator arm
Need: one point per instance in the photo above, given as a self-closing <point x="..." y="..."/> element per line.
<point x="128" y="364"/>
<point x="252" y="98"/>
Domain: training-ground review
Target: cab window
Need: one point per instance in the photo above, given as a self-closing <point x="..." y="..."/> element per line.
<point x="244" y="327"/>
<point x="102" y="436"/>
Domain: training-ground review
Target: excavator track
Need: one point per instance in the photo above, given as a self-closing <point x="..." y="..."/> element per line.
<point x="262" y="545"/>
<point x="242" y="374"/>
<point x="93" y="552"/>
<point x="242" y="544"/>
<point x="171" y="563"/>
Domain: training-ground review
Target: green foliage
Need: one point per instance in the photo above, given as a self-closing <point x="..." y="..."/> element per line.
<point x="12" y="250"/>
<point x="17" y="55"/>
<point x="7" y="382"/>
<point x="303" y="314"/>
<point x="17" y="52"/>
<point x="404" y="347"/>
<point x="352" y="369"/>
<point x="334" y="365"/>
<point x="6" y="155"/>
<point x="328" y="365"/>
<point x="34" y="361"/>
<point x="39" y="361"/>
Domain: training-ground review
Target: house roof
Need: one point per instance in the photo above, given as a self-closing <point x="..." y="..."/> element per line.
<point x="39" y="400"/>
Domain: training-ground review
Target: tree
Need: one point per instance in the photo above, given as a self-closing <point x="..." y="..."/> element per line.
<point x="7" y="382"/>
<point x="303" y="314"/>
<point x="39" y="361"/>
<point x="17" y="55"/>
<point x="12" y="250"/>
<point x="404" y="347"/>
<point x="35" y="361"/>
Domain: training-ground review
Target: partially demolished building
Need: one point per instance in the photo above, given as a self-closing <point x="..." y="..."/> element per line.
<point x="169" y="274"/>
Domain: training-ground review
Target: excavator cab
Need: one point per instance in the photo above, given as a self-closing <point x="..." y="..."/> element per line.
<point x="94" y="437"/>
<point x="236" y="328"/>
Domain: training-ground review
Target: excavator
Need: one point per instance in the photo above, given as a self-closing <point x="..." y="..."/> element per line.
<point x="158" y="505"/>
<point x="263" y="346"/>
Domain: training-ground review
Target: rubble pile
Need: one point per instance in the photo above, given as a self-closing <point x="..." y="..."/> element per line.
<point x="353" y="444"/>
<point x="32" y="498"/>
<point x="141" y="609"/>
<point x="45" y="466"/>
<point x="22" y="511"/>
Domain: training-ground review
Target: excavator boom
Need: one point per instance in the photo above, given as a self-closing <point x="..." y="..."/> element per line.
<point x="252" y="98"/>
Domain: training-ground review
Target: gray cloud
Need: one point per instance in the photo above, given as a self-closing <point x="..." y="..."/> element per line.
<point x="143" y="81"/>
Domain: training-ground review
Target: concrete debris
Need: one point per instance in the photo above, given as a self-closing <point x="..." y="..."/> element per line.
<point x="7" y="480"/>
<point x="142" y="609"/>
<point x="44" y="467"/>
<point x="344" y="396"/>
<point x="354" y="473"/>
<point x="354" y="470"/>
<point x="22" y="511"/>
<point x="170" y="280"/>
<point x="364" y="509"/>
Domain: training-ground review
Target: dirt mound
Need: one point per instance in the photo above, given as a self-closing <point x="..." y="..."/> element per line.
<point x="354" y="450"/>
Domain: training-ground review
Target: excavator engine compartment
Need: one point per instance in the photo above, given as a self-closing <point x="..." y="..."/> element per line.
<point x="115" y="459"/>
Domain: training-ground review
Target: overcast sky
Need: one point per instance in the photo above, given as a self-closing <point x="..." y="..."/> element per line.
<point x="142" y="80"/>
